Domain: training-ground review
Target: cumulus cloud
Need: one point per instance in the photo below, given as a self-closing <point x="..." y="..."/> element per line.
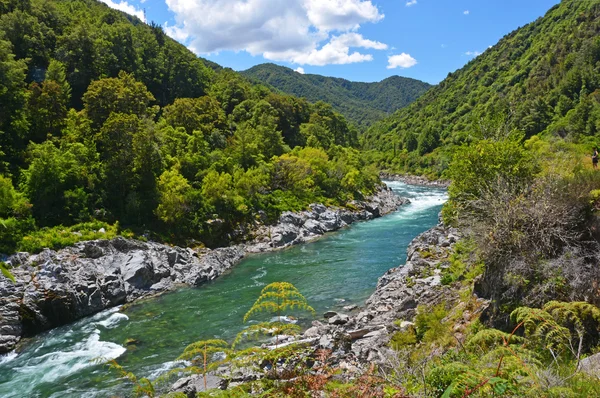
<point x="401" y="61"/>
<point x="313" y="32"/>
<point x="411" y="3"/>
<point x="125" y="7"/>
<point x="299" y="70"/>
<point x="473" y="53"/>
<point x="466" y="12"/>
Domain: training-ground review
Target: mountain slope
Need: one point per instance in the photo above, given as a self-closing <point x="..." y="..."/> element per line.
<point x="363" y="103"/>
<point x="541" y="78"/>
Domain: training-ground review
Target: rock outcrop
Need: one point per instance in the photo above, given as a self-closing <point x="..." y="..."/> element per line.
<point x="304" y="226"/>
<point x="57" y="287"/>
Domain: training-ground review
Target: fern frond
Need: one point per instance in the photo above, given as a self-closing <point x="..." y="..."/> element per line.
<point x="489" y="338"/>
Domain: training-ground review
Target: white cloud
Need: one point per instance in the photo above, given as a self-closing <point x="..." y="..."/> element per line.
<point x="336" y="51"/>
<point x="473" y="53"/>
<point x="401" y="61"/>
<point x="466" y="12"/>
<point x="125" y="7"/>
<point x="299" y="70"/>
<point x="411" y="3"/>
<point x="314" y="32"/>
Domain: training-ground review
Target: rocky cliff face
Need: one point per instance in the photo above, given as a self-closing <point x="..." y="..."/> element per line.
<point x="57" y="287"/>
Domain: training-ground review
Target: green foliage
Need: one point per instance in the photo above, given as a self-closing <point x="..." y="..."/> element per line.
<point x="142" y="386"/>
<point x="539" y="79"/>
<point x="106" y="118"/>
<point x="560" y="326"/>
<point x="464" y="265"/>
<point x="476" y="167"/>
<point x="361" y="103"/>
<point x="430" y="325"/>
<point x="5" y="271"/>
<point x="277" y="297"/>
<point x="59" y="236"/>
<point x="404" y="338"/>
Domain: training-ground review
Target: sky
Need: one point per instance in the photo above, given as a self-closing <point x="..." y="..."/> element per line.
<point x="359" y="40"/>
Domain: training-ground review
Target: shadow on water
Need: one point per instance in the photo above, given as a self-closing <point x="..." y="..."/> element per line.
<point x="337" y="270"/>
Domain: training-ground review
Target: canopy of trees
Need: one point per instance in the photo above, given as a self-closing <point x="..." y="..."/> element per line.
<point x="105" y="118"/>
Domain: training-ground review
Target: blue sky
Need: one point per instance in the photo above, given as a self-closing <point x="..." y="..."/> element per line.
<point x="359" y="40"/>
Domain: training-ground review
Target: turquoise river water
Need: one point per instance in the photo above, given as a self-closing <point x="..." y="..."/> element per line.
<point x="339" y="269"/>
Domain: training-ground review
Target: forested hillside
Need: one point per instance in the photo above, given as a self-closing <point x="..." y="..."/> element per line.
<point x="362" y="103"/>
<point x="108" y="122"/>
<point x="542" y="78"/>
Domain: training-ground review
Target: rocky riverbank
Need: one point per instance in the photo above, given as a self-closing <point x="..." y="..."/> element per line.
<point x="414" y="180"/>
<point x="57" y="287"/>
<point x="360" y="337"/>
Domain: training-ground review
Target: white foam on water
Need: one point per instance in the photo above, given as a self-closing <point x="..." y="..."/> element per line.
<point x="8" y="357"/>
<point x="67" y="356"/>
<point x="113" y="320"/>
<point x="164" y="368"/>
<point x="52" y="366"/>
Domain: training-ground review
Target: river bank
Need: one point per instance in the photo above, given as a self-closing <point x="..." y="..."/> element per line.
<point x="358" y="337"/>
<point x="54" y="288"/>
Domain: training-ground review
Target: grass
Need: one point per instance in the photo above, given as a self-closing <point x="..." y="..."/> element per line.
<point x="59" y="237"/>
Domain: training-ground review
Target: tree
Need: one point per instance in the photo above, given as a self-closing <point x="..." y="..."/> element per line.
<point x="174" y="197"/>
<point x="204" y="114"/>
<point x="122" y="95"/>
<point x="59" y="182"/>
<point x="203" y="353"/>
<point x="13" y="121"/>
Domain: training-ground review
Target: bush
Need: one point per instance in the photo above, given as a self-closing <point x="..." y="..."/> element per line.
<point x="59" y="237"/>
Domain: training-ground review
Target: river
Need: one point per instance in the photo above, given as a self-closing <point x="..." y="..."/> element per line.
<point x="340" y="269"/>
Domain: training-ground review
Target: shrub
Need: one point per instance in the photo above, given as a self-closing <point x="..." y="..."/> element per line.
<point x="58" y="237"/>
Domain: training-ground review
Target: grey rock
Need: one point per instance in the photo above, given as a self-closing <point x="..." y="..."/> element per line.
<point x="591" y="366"/>
<point x="339" y="319"/>
<point x="329" y="314"/>
<point x="194" y="384"/>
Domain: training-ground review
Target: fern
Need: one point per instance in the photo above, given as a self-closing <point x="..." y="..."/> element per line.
<point x="277" y="297"/>
<point x="142" y="387"/>
<point x="490" y="338"/>
<point x="559" y="325"/>
<point x="203" y="352"/>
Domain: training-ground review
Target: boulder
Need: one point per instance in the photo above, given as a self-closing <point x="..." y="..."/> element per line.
<point x="339" y="319"/>
<point x="591" y="366"/>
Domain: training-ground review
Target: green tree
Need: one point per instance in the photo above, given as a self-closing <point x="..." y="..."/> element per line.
<point x="275" y="298"/>
<point x="174" y="197"/>
<point x="59" y="182"/>
<point x="13" y="121"/>
<point x="122" y="95"/>
<point x="204" y="114"/>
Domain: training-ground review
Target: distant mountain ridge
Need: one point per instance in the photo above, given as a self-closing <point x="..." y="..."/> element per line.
<point x="541" y="78"/>
<point x="362" y="103"/>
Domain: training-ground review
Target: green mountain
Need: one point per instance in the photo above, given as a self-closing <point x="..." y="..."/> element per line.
<point x="105" y="119"/>
<point x="362" y="103"/>
<point x="541" y="78"/>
